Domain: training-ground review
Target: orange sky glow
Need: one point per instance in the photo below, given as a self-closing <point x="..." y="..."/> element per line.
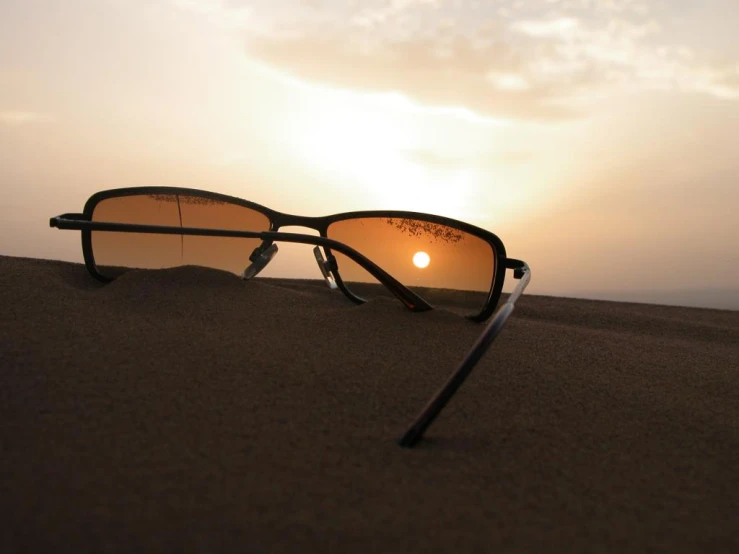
<point x="596" y="138"/>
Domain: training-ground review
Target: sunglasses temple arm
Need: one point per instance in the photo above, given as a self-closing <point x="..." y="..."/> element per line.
<point x="427" y="416"/>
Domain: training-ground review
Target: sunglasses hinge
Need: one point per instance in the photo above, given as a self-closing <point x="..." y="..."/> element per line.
<point x="331" y="264"/>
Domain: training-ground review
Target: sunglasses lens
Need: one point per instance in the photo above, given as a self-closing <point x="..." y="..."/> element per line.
<point x="115" y="252"/>
<point x="445" y="266"/>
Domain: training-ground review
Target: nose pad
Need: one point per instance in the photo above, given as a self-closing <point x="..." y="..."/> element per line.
<point x="259" y="260"/>
<point x="325" y="268"/>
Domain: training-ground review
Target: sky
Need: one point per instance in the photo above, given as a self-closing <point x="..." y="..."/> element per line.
<point x="597" y="138"/>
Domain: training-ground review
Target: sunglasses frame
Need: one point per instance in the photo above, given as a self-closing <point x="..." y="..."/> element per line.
<point x="321" y="224"/>
<point x="414" y="433"/>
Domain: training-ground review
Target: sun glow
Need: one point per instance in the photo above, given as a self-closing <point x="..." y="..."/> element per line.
<point x="421" y="260"/>
<point x="359" y="143"/>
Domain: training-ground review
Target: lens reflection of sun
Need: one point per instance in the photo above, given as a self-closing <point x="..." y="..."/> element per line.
<point x="421" y="259"/>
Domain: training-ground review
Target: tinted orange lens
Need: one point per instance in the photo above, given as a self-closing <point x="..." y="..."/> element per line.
<point x="444" y="265"/>
<point x="116" y="252"/>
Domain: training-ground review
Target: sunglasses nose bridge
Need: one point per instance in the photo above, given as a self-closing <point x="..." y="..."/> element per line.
<point x="304" y="226"/>
<point x="282" y="220"/>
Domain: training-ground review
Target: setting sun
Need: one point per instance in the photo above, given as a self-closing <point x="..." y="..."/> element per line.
<point x="490" y="113"/>
<point x="421" y="259"/>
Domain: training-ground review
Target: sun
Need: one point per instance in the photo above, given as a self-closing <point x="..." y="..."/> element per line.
<point x="421" y="259"/>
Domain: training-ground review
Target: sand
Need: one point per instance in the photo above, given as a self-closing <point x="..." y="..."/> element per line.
<point x="187" y="410"/>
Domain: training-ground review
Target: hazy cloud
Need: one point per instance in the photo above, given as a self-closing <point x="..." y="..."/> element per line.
<point x="16" y="117"/>
<point x="433" y="160"/>
<point x="458" y="76"/>
<point x="560" y="28"/>
<point x="501" y="58"/>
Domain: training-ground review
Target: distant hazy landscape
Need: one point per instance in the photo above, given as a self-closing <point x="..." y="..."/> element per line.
<point x="721" y="299"/>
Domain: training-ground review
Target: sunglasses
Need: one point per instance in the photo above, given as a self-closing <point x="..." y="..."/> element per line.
<point x="422" y="260"/>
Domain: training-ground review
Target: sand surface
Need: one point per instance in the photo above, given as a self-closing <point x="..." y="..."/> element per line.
<point x="186" y="410"/>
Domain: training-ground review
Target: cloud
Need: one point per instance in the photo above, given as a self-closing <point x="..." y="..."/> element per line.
<point x="519" y="59"/>
<point x="456" y="75"/>
<point x="433" y="160"/>
<point x="562" y="27"/>
<point x="508" y="81"/>
<point x="17" y="117"/>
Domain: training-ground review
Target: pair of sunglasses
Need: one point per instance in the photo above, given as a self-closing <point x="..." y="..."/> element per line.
<point x="422" y="260"/>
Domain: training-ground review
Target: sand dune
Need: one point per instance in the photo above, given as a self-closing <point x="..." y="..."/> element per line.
<point x="188" y="410"/>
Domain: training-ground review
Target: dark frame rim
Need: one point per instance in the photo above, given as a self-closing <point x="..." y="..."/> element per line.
<point x="318" y="223"/>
